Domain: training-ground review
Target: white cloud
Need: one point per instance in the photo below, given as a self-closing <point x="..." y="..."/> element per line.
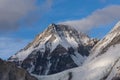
<point x="9" y="46"/>
<point x="97" y="18"/>
<point x="11" y="11"/>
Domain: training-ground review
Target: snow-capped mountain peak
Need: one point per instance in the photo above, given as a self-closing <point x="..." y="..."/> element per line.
<point x="58" y="48"/>
<point x="102" y="64"/>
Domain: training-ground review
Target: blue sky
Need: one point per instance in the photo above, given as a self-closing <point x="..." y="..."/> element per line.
<point x="22" y="20"/>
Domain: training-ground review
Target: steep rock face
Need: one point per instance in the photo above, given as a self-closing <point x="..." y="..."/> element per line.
<point x="58" y="48"/>
<point x="9" y="71"/>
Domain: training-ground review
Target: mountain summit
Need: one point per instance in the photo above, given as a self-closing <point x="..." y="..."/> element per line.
<point x="58" y="48"/>
<point x="102" y="64"/>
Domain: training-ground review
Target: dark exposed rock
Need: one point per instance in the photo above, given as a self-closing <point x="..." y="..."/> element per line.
<point x="83" y="50"/>
<point x="116" y="78"/>
<point x="70" y="76"/>
<point x="59" y="60"/>
<point x="9" y="71"/>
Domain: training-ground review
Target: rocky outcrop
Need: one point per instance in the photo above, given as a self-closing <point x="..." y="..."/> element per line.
<point x="9" y="71"/>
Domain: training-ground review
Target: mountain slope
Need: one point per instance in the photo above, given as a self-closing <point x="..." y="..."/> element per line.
<point x="9" y="71"/>
<point x="112" y="38"/>
<point x="102" y="64"/>
<point x="58" y="48"/>
<point x="101" y="68"/>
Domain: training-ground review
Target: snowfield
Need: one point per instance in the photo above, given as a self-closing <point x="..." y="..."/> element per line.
<point x="97" y="69"/>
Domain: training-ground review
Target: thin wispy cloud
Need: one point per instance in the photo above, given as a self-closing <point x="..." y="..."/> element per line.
<point x="99" y="17"/>
<point x="9" y="46"/>
<point x="12" y="11"/>
<point x="38" y="12"/>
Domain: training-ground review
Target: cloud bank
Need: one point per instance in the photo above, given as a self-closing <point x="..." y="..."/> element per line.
<point x="12" y="11"/>
<point x="97" y="18"/>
